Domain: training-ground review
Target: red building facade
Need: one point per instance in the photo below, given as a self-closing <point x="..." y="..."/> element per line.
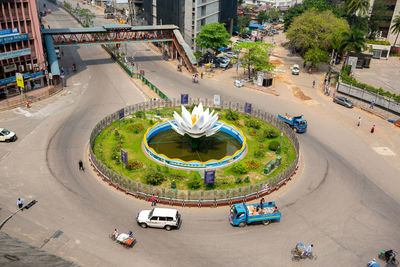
<point x="21" y="47"/>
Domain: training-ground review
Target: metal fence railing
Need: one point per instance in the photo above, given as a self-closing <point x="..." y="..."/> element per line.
<point x="189" y="197"/>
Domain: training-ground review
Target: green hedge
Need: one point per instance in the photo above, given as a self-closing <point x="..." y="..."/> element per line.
<point x="349" y="80"/>
<point x="369" y="41"/>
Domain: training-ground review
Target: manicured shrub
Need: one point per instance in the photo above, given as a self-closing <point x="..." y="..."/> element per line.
<point x="273" y="145"/>
<point x="238" y="180"/>
<point x="247" y="179"/>
<point x="154" y="176"/>
<point x="270" y="133"/>
<point x="240" y="168"/>
<point x="253" y="164"/>
<point x="194" y="181"/>
<point x="231" y="115"/>
<point x="253" y="123"/>
<point x="140" y="114"/>
<point x="136" y="128"/>
<point x="134" y="165"/>
<point x="259" y="153"/>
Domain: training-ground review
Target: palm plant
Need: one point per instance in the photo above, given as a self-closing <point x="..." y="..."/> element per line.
<point x="353" y="41"/>
<point x="396" y="28"/>
<point x="362" y="6"/>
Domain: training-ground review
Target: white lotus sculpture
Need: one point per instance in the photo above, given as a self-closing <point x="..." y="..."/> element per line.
<point x="199" y="123"/>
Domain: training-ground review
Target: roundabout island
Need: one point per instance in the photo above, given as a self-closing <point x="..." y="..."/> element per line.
<point x="198" y="157"/>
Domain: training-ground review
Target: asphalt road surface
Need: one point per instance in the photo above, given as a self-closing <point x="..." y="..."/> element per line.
<point x="345" y="198"/>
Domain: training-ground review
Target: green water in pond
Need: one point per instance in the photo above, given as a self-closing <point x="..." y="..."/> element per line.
<point x="173" y="145"/>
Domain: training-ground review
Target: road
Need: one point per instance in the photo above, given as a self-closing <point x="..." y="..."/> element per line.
<point x="345" y="198"/>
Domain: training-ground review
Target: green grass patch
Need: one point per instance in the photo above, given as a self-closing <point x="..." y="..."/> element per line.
<point x="128" y="134"/>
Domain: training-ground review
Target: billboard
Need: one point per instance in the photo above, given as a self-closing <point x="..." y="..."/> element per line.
<point x="15" y="53"/>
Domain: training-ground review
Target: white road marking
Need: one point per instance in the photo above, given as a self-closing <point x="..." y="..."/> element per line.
<point x="384" y="151"/>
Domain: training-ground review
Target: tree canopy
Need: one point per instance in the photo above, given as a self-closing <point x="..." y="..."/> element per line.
<point x="316" y="56"/>
<point x="395" y="28"/>
<point x="243" y="22"/>
<point x="353" y="41"/>
<point x="360" y="6"/>
<point x="213" y="36"/>
<point x="315" y="29"/>
<point x="254" y="56"/>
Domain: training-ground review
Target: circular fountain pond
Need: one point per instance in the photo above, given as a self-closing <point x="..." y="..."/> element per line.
<point x="164" y="145"/>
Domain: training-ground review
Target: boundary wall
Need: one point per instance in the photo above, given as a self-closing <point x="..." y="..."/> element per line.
<point x="200" y="198"/>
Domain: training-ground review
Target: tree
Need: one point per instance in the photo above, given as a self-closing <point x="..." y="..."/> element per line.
<point x="353" y="41"/>
<point x="336" y="6"/>
<point x="316" y="56"/>
<point x="262" y="16"/>
<point x="360" y="6"/>
<point x="213" y="36"/>
<point x="314" y="29"/>
<point x="396" y="28"/>
<point x="254" y="56"/>
<point x="243" y="22"/>
<point x="87" y="16"/>
<point x="274" y="14"/>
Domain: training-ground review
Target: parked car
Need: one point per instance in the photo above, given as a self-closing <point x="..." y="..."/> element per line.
<point x="231" y="54"/>
<point x="159" y="218"/>
<point x="295" y="69"/>
<point x="7" y="136"/>
<point x="223" y="62"/>
<point x="343" y="101"/>
<point x="245" y="36"/>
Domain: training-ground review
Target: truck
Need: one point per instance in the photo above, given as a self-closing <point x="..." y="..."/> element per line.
<point x="108" y="11"/>
<point x="297" y="123"/>
<point x="243" y="214"/>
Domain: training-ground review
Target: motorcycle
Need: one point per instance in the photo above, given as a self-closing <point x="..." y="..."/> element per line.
<point x="389" y="256"/>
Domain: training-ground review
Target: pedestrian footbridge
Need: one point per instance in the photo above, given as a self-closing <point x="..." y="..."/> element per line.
<point x="117" y="34"/>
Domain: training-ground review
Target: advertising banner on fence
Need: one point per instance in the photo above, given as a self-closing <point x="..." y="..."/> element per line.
<point x="247" y="108"/>
<point x="184" y="99"/>
<point x="16" y="53"/>
<point x="121" y="114"/>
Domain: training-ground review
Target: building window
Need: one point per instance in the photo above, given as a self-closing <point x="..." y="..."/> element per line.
<point x="203" y="11"/>
<point x="203" y="22"/>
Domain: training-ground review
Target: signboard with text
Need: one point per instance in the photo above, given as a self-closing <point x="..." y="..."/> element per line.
<point x="184" y="99"/>
<point x="9" y="31"/>
<point x="13" y="38"/>
<point x="217" y="100"/>
<point x="15" y="53"/>
<point x="247" y="108"/>
<point x="20" y="80"/>
<point x="209" y="177"/>
<point x="124" y="156"/>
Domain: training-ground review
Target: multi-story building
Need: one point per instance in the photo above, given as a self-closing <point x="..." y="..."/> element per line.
<point x="21" y="49"/>
<point x="281" y="4"/>
<point x="190" y="15"/>
<point x="392" y="10"/>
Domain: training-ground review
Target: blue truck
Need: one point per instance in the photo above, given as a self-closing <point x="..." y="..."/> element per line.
<point x="297" y="123"/>
<point x="242" y="214"/>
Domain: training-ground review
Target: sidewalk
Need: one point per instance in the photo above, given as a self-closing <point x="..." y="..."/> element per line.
<point x="31" y="96"/>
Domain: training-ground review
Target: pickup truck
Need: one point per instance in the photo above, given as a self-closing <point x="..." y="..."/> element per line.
<point x="297" y="123"/>
<point x="242" y="214"/>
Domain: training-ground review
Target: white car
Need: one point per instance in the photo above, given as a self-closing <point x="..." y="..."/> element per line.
<point x="7" y="136"/>
<point x="159" y="218"/>
<point x="295" y="69"/>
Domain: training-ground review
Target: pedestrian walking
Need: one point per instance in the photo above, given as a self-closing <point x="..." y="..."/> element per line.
<point x="153" y="200"/>
<point x="373" y="129"/>
<point x="372" y="104"/>
<point x="313" y="84"/>
<point x="27" y="104"/>
<point x="359" y="121"/>
<point x="20" y="203"/>
<point x="201" y="75"/>
<point x="81" y="168"/>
